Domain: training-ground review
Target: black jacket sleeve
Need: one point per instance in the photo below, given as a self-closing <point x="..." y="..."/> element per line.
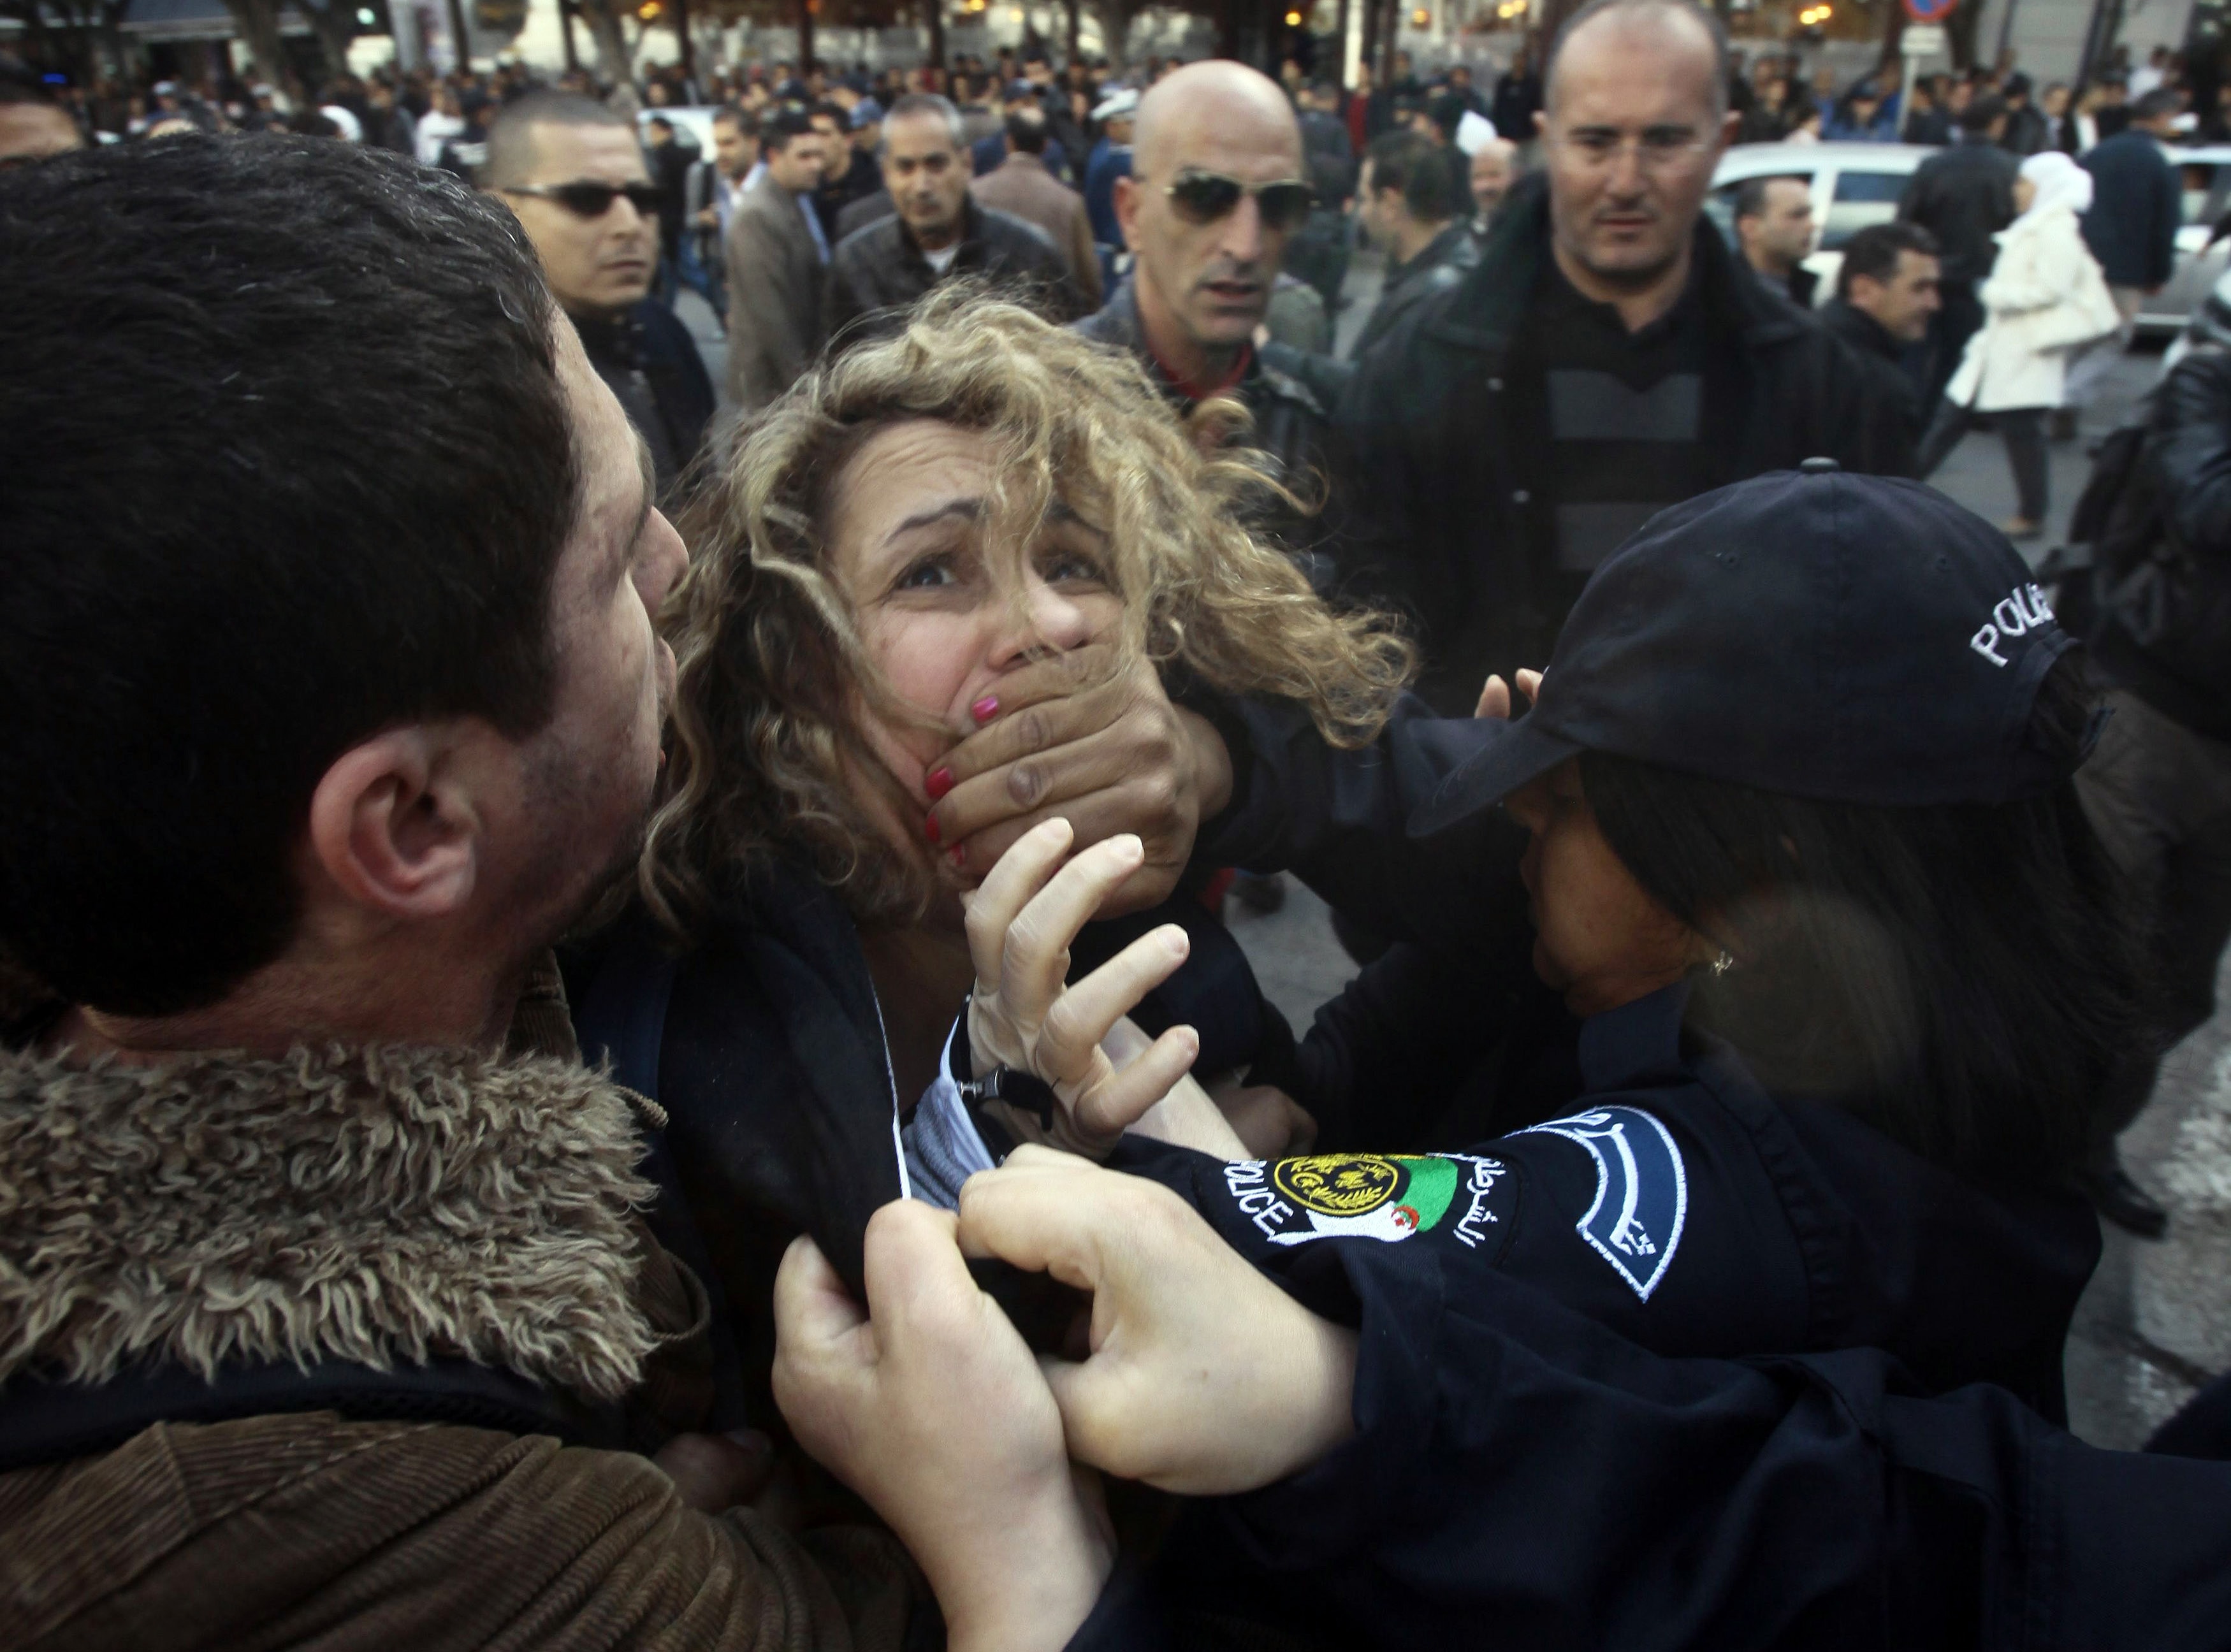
<point x="2190" y="450"/>
<point x="1340" y="821"/>
<point x="1521" y="1478"/>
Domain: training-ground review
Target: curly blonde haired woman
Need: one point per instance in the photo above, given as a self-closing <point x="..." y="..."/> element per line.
<point x="915" y="531"/>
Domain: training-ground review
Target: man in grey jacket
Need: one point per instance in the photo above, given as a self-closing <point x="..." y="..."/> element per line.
<point x="776" y="256"/>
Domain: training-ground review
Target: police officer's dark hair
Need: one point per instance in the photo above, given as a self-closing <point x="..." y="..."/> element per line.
<point x="1874" y="252"/>
<point x="1960" y="975"/>
<point x="1026" y="131"/>
<point x="288" y="462"/>
<point x="736" y="115"/>
<point x="1750" y="194"/>
<point x="1983" y="111"/>
<point x="1703" y="16"/>
<point x="1422" y="169"/>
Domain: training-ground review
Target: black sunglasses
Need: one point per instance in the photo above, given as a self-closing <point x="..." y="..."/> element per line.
<point x="588" y="200"/>
<point x="1205" y="197"/>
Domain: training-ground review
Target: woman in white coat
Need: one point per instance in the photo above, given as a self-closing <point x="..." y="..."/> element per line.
<point x="2045" y="298"/>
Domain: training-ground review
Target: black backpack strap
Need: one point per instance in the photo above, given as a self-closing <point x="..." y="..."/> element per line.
<point x="623" y="1019"/>
<point x="45" y="1421"/>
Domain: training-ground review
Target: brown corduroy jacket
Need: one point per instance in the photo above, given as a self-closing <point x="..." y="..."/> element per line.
<point x="372" y="1206"/>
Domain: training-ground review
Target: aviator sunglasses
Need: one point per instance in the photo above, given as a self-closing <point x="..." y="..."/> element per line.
<point x="1205" y="197"/>
<point x="588" y="200"/>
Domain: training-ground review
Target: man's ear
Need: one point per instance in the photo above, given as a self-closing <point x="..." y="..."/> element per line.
<point x="1127" y="209"/>
<point x="395" y="827"/>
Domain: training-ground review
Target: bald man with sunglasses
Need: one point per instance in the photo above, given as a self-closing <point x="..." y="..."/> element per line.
<point x="1216" y="190"/>
<point x="572" y="172"/>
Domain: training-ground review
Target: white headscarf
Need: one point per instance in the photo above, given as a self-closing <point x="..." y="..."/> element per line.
<point x="2059" y="182"/>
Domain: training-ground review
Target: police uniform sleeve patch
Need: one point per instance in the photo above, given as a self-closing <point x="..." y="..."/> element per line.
<point x="1389" y="1197"/>
<point x="1642" y="1190"/>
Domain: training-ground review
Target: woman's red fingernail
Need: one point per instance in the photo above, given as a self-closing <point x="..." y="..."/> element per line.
<point x="940" y="783"/>
<point x="986" y="709"/>
<point x="959" y="853"/>
<point x="935" y="836"/>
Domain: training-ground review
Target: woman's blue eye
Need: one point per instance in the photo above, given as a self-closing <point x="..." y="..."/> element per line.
<point x="1068" y="568"/>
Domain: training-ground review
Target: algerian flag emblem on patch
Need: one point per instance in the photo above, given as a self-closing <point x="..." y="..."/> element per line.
<point x="1364" y="1196"/>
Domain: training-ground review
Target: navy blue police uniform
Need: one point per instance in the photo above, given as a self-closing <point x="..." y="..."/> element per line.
<point x="1529" y="1467"/>
<point x="1632" y="1166"/>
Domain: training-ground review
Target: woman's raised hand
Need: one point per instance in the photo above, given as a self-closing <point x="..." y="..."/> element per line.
<point x="1023" y="1014"/>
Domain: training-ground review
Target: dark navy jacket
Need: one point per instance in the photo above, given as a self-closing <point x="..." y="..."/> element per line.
<point x="2137" y="210"/>
<point x="1522" y="1478"/>
<point x="1675" y="1201"/>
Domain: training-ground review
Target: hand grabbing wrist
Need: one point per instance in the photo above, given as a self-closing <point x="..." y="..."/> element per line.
<point x="1032" y="1590"/>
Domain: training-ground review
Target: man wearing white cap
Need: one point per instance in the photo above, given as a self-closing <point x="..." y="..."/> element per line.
<point x="1111" y="159"/>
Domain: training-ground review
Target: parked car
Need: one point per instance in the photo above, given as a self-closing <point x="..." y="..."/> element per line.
<point x="1854" y="185"/>
<point x="2206" y="174"/>
<point x="692" y="121"/>
<point x="1857" y="184"/>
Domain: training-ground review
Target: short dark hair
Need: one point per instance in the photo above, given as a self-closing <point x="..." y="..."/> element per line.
<point x="1750" y="194"/>
<point x="1026" y="130"/>
<point x="1874" y="252"/>
<point x="285" y="461"/>
<point x="784" y="127"/>
<point x="1704" y="16"/>
<point x="1984" y="110"/>
<point x="2161" y="101"/>
<point x="1960" y="975"/>
<point x="511" y="134"/>
<point x="736" y="115"/>
<point x="1422" y="171"/>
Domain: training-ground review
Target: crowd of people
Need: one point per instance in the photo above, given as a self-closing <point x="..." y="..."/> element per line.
<point x="618" y="1031"/>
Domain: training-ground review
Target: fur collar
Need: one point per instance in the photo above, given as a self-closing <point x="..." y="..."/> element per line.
<point x="364" y="1205"/>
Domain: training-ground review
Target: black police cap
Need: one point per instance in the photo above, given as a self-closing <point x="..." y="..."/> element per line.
<point x="1852" y="639"/>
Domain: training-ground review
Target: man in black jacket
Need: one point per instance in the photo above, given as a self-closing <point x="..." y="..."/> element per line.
<point x="937" y="231"/>
<point x="1215" y="194"/>
<point x="1607" y="357"/>
<point x="2137" y="206"/>
<point x="1963" y="196"/>
<point x="1413" y="202"/>
<point x="1774" y="226"/>
<point x="572" y="172"/>
<point x="2159" y="788"/>
<point x="1887" y="295"/>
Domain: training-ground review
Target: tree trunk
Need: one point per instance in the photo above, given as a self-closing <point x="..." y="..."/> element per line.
<point x="566" y="36"/>
<point x="1076" y="9"/>
<point x="334" y="24"/>
<point x="613" y="64"/>
<point x="804" y="38"/>
<point x="257" y="22"/>
<point x="688" y="47"/>
<point x="936" y="10"/>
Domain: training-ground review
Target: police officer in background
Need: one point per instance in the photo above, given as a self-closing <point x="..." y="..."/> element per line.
<point x="2159" y="789"/>
<point x="1479" y="1456"/>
